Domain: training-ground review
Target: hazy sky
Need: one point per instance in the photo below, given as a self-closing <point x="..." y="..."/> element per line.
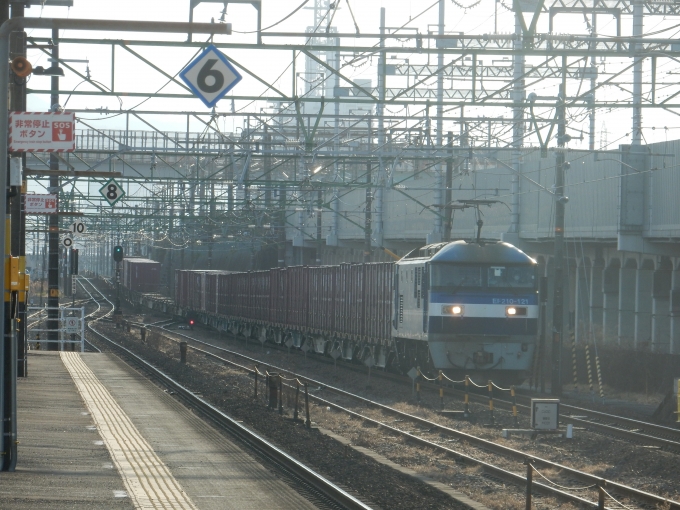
<point x="469" y="16"/>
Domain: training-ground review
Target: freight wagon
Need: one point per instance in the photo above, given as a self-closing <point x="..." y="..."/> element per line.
<point x="339" y="310"/>
<point x="141" y="275"/>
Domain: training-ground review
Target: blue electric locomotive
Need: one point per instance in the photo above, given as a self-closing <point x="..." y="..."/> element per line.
<point x="467" y="308"/>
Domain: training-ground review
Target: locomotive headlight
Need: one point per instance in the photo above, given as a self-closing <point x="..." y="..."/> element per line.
<point x="456" y="310"/>
<point x="516" y="311"/>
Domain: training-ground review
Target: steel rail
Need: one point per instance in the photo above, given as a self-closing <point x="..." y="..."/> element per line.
<point x="504" y="474"/>
<point x="244" y="434"/>
<point x="633" y="435"/>
<point x="660" y="429"/>
<point x="631" y="492"/>
<point x="247" y="436"/>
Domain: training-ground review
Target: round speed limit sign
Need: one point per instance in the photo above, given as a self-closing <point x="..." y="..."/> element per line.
<point x="67" y="241"/>
<point x="78" y="227"/>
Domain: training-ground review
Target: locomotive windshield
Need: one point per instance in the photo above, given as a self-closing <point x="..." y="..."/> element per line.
<point x="446" y="275"/>
<point x="468" y="276"/>
<point x="511" y="276"/>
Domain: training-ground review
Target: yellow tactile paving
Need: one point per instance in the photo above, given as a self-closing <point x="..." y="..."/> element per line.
<point x="148" y="481"/>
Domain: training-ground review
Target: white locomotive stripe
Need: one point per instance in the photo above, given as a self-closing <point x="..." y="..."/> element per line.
<point x="486" y="311"/>
<point x="147" y="479"/>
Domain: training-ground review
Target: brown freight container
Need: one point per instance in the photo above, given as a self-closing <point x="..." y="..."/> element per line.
<point x="277" y="295"/>
<point x="224" y="287"/>
<point x="141" y="275"/>
<point x="298" y="296"/>
<point x="352" y="299"/>
<point x="180" y="288"/>
<point x="211" y="291"/>
<point x="194" y="290"/>
<point x="378" y="285"/>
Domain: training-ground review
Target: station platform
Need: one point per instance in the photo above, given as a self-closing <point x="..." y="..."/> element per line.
<point x="94" y="433"/>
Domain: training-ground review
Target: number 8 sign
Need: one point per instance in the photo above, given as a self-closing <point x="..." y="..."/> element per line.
<point x="210" y="76"/>
<point x="112" y="192"/>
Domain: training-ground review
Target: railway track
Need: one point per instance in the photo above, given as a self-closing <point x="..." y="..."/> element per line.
<point x="430" y="435"/>
<point x="636" y="431"/>
<point x="313" y="483"/>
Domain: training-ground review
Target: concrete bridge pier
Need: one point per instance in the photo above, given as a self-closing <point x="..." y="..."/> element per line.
<point x="674" y="347"/>
<point x="582" y="305"/>
<point x="597" y="298"/>
<point x="627" y="300"/>
<point x="610" y="290"/>
<point x="661" y="302"/>
<point x="643" y="304"/>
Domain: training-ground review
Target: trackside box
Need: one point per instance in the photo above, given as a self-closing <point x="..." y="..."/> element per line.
<point x="141" y="275"/>
<point x="545" y="413"/>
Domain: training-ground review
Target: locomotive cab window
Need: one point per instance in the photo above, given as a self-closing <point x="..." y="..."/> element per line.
<point x="455" y="276"/>
<point x="511" y="277"/>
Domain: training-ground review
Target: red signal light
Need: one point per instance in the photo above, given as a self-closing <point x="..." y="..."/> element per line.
<point x="191" y="322"/>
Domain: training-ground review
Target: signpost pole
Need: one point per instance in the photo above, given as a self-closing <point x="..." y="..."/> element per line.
<point x="18" y="237"/>
<point x="53" y="246"/>
<point x="73" y="292"/>
<point x="117" y="310"/>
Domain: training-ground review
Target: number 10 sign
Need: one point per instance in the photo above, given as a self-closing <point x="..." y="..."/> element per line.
<point x="112" y="191"/>
<point x="210" y="76"/>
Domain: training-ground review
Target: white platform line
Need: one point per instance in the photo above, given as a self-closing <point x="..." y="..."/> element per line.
<point x="148" y="481"/>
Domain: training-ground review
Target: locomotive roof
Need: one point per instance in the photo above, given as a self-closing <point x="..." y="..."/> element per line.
<point x="480" y="253"/>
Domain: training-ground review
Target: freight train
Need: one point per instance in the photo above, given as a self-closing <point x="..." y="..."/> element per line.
<point x="460" y="307"/>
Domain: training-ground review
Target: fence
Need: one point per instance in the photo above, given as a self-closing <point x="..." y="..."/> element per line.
<point x="70" y="330"/>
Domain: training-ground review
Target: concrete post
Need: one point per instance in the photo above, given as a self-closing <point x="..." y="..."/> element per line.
<point x="674" y="347"/>
<point x="627" y="299"/>
<point x="597" y="298"/>
<point x="643" y="304"/>
<point x="582" y="296"/>
<point x="661" y="301"/>
<point x="610" y="313"/>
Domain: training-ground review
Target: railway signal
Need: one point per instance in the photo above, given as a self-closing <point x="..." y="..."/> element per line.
<point x="118" y="253"/>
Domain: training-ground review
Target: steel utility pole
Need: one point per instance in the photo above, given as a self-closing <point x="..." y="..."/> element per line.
<point x="18" y="226"/>
<point x="7" y="379"/>
<point x="560" y="201"/>
<point x="437" y="231"/>
<point x="53" y="246"/>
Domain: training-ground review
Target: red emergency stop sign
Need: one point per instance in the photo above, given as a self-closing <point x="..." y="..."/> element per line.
<point x="62" y="131"/>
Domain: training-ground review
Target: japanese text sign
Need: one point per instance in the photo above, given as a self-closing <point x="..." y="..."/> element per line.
<point x="42" y="132"/>
<point x="41" y="204"/>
